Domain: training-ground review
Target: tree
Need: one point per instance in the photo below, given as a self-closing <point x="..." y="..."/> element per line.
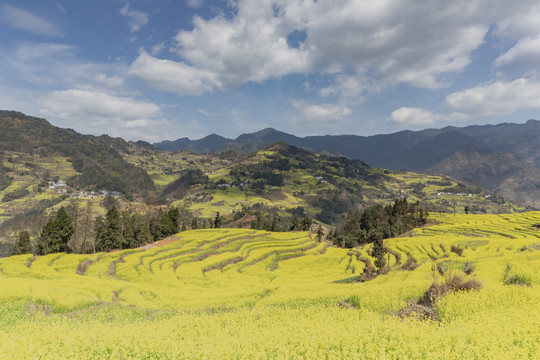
<point x="275" y="221"/>
<point x="295" y="226"/>
<point x="56" y="234"/>
<point x="136" y="231"/>
<point x="306" y="223"/>
<point x="379" y="252"/>
<point x="320" y="233"/>
<point x="217" y="221"/>
<point x="174" y="215"/>
<point x="109" y="234"/>
<point x="87" y="229"/>
<point x="23" y="245"/>
<point x="163" y="225"/>
<point x="467" y="209"/>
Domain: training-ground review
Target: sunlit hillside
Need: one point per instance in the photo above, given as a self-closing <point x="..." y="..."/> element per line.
<point x="233" y="293"/>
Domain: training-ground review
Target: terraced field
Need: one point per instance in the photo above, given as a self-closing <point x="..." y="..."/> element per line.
<point x="236" y="293"/>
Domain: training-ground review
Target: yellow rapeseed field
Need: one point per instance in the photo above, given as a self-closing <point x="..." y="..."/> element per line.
<point x="246" y="294"/>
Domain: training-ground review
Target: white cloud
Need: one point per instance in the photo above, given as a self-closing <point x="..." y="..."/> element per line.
<point x="111" y="82"/>
<point x="348" y="87"/>
<point x="136" y="19"/>
<point x="525" y="54"/>
<point x="499" y="98"/>
<point x="520" y="24"/>
<point x="321" y="113"/>
<point x="251" y="47"/>
<point x="98" y="112"/>
<point x="23" y="20"/>
<point x="522" y="30"/>
<point x="412" y="116"/>
<point x="366" y="46"/>
<point x="173" y="76"/>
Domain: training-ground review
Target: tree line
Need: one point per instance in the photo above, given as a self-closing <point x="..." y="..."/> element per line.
<point x="74" y="231"/>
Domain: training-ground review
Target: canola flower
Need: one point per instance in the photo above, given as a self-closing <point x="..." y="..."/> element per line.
<point x="245" y="294"/>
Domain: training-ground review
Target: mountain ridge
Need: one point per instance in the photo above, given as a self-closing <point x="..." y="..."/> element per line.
<point x="423" y="150"/>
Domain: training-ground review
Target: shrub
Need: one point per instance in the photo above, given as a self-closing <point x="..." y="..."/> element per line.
<point x="469" y="268"/>
<point x="410" y="264"/>
<point x="457" y="250"/>
<point x="454" y="283"/>
<point x="518" y="279"/>
<point x="441" y="267"/>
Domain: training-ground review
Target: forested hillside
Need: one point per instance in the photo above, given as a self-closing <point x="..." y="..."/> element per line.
<point x="95" y="159"/>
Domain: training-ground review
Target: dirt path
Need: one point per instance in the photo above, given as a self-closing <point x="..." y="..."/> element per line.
<point x="161" y="243"/>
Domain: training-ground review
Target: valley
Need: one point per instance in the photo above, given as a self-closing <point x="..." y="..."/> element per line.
<point x="252" y="252"/>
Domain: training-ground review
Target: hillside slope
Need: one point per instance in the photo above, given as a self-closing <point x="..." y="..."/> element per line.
<point x="325" y="187"/>
<point x="96" y="160"/>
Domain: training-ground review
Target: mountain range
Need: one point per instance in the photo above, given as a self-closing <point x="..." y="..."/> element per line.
<point x="43" y="167"/>
<point x="503" y="158"/>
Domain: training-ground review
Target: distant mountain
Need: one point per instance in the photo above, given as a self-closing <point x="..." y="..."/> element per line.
<point x="498" y="171"/>
<point x="425" y="151"/>
<point x="175" y="145"/>
<point x="208" y="144"/>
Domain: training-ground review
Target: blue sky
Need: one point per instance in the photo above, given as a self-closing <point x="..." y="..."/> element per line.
<point x="165" y="69"/>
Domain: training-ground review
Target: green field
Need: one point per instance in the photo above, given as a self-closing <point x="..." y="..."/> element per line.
<point x="245" y="294"/>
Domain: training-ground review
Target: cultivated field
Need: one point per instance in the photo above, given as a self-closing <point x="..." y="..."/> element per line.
<point x="244" y="294"/>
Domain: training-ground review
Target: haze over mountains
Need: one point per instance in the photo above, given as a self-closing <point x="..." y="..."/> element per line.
<point x="503" y="158"/>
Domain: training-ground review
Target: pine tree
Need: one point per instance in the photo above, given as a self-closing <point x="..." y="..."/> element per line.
<point x="275" y="220"/>
<point x="23" y="245"/>
<point x="217" y="221"/>
<point x="295" y="226"/>
<point x="109" y="235"/>
<point x="56" y="234"/>
<point x="306" y="223"/>
<point x="142" y="233"/>
<point x="174" y="216"/>
<point x="320" y="233"/>
<point x="379" y="252"/>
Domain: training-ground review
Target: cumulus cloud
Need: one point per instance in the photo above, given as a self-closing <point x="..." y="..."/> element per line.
<point x="524" y="54"/>
<point x="496" y="99"/>
<point x="499" y="98"/>
<point x="136" y="19"/>
<point x="321" y="113"/>
<point x="412" y="116"/>
<point x="20" y="19"/>
<point x="96" y="111"/>
<point x="173" y="76"/>
<point x="521" y="23"/>
<point x="523" y="29"/>
<point x="365" y="46"/>
<point x="251" y="47"/>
